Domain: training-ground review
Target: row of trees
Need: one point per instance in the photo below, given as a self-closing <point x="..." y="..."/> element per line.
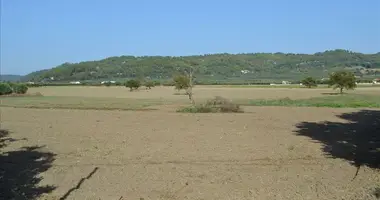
<point x="180" y="82"/>
<point x="135" y="84"/>
<point x="9" y="88"/>
<point x="337" y="80"/>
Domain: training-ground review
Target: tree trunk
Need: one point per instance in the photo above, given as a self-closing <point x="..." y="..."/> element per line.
<point x="341" y="90"/>
<point x="190" y="89"/>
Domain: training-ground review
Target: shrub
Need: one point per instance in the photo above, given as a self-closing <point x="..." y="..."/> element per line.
<point x="5" y="89"/>
<point x="20" y="88"/>
<point x="149" y="84"/>
<point x="108" y="83"/>
<point x="215" y="105"/>
<point x="133" y="84"/>
<point x="309" y="82"/>
<point x="157" y="83"/>
<point x="181" y="82"/>
<point x="223" y="105"/>
<point x="29" y="85"/>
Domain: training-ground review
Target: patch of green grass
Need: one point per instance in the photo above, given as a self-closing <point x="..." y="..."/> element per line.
<point x="90" y="103"/>
<point x="263" y="86"/>
<point x="336" y="101"/>
<point x="293" y="86"/>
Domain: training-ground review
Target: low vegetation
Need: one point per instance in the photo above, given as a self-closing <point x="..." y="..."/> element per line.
<point x="149" y="84"/>
<point x="108" y="83"/>
<point x="133" y="84"/>
<point x="20" y="88"/>
<point x="215" y="105"/>
<point x="181" y="82"/>
<point x="336" y="101"/>
<point x="5" y="89"/>
<point x="309" y="82"/>
<point x="12" y="88"/>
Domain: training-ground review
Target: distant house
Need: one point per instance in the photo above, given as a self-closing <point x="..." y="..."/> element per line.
<point x="376" y="81"/>
<point x="286" y="82"/>
<point x="104" y="82"/>
<point x="75" y="82"/>
<point x="244" y="71"/>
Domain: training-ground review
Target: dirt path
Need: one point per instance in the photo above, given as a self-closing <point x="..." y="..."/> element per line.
<point x="167" y="155"/>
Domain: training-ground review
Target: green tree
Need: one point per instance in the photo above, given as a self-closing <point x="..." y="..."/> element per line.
<point x="5" y="89"/>
<point x="108" y="83"/>
<point x="181" y="82"/>
<point x="133" y="84"/>
<point x="342" y="80"/>
<point x="20" y="88"/>
<point x="149" y="84"/>
<point x="309" y="82"/>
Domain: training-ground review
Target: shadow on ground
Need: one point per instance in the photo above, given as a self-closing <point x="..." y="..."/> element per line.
<point x="20" y="170"/>
<point x="357" y="141"/>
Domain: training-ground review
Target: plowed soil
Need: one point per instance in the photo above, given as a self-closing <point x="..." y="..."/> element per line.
<point x="167" y="155"/>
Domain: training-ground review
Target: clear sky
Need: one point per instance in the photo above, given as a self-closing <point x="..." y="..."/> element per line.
<point x="40" y="34"/>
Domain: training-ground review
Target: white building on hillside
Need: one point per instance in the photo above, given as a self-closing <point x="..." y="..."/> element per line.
<point x="75" y="82"/>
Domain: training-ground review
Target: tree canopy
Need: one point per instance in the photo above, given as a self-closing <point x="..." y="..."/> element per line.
<point x="133" y="84"/>
<point x="342" y="80"/>
<point x="181" y="82"/>
<point x="309" y="82"/>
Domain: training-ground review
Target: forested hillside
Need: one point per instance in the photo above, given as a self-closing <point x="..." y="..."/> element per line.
<point x="217" y="66"/>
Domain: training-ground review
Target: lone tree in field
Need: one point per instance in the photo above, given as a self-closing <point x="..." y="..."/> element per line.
<point x="189" y="90"/>
<point x="186" y="81"/>
<point x="181" y="82"/>
<point x="342" y="80"/>
<point x="149" y="84"/>
<point x="133" y="84"/>
<point x="309" y="82"/>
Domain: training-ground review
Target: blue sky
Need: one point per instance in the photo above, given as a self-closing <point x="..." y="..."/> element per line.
<point x="42" y="34"/>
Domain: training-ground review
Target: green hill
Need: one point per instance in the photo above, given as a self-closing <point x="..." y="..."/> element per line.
<point x="217" y="67"/>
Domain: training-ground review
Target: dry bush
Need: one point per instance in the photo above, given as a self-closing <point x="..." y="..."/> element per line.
<point x="223" y="104"/>
<point x="215" y="105"/>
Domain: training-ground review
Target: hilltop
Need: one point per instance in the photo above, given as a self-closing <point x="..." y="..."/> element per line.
<point x="217" y="67"/>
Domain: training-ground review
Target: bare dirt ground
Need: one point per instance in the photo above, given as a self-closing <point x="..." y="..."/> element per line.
<point x="166" y="155"/>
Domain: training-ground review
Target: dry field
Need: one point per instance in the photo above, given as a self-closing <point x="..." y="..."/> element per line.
<point x="269" y="153"/>
<point x="200" y="92"/>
